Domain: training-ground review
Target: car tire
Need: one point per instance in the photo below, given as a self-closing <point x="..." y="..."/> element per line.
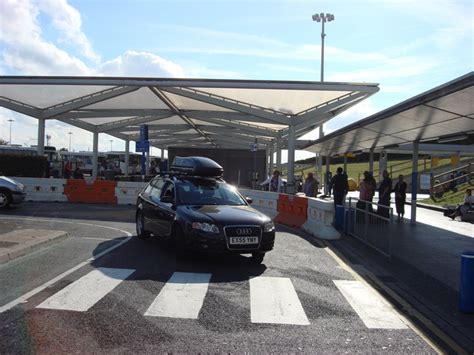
<point x="140" y="225"/>
<point x="5" y="198"/>
<point x="257" y="258"/>
<point x="178" y="240"/>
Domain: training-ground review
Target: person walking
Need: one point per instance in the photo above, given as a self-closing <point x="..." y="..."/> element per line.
<point x="310" y="188"/>
<point x="329" y="182"/>
<point x="400" y="190"/>
<point x="385" y="189"/>
<point x="340" y="187"/>
<point x="67" y="169"/>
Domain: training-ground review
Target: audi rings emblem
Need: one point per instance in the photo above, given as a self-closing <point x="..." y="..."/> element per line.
<point x="243" y="231"/>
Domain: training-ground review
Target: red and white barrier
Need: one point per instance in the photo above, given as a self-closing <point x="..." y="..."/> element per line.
<point x="264" y="201"/>
<point x="127" y="192"/>
<point x="38" y="189"/>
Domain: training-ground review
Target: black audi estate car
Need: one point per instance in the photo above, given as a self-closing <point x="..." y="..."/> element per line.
<point x="194" y="208"/>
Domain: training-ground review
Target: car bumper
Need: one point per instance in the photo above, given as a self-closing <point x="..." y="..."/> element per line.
<point x="218" y="244"/>
<point x="18" y="197"/>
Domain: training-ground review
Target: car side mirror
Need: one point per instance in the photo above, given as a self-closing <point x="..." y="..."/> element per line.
<point x="248" y="199"/>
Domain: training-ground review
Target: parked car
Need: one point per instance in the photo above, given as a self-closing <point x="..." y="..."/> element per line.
<point x="11" y="192"/>
<point x="193" y="207"/>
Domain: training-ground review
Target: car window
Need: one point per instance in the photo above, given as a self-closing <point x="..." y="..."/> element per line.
<point x="168" y="190"/>
<point x="207" y="192"/>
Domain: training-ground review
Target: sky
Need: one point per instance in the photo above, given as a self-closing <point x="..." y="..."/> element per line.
<point x="408" y="47"/>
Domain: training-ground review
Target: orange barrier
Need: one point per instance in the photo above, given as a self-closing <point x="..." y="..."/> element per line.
<point x="292" y="210"/>
<point x="99" y="191"/>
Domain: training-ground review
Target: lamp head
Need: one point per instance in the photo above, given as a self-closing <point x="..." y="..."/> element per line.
<point x="316" y="18"/>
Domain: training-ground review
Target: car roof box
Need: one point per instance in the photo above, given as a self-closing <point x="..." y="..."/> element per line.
<point x="196" y="166"/>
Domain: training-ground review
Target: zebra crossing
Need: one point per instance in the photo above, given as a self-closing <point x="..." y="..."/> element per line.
<point x="273" y="300"/>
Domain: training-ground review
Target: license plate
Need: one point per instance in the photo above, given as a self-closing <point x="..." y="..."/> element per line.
<point x="243" y="240"/>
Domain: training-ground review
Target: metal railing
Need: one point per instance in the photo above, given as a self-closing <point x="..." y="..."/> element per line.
<point x="373" y="228"/>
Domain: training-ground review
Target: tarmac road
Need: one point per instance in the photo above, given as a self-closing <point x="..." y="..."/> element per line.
<point x="136" y="296"/>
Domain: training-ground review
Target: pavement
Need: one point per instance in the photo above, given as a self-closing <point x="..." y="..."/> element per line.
<point x="102" y="290"/>
<point x="424" y="272"/>
<point x="23" y="241"/>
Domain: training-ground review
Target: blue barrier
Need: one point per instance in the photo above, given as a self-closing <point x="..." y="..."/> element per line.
<point x="339" y="218"/>
<point x="466" y="286"/>
<point x="349" y="221"/>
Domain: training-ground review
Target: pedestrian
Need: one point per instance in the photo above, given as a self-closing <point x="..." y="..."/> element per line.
<point x="385" y="189"/>
<point x="275" y="183"/>
<point x="400" y="190"/>
<point x="466" y="206"/>
<point x="366" y="192"/>
<point x="310" y="186"/>
<point x="78" y="173"/>
<point x="67" y="169"/>
<point x="340" y="187"/>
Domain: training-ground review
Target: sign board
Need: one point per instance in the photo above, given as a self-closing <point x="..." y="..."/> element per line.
<point x="254" y="147"/>
<point x="143" y="132"/>
<point x="142" y="147"/>
<point x="425" y="181"/>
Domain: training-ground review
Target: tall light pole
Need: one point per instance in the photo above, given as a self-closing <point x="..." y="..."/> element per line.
<point x="111" y="141"/>
<point x="322" y="17"/>
<point x="11" y="121"/>
<point x="70" y="136"/>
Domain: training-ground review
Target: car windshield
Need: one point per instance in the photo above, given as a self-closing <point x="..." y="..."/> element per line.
<point x="207" y="192"/>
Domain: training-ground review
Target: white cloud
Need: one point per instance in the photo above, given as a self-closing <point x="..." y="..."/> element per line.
<point x="25" y="50"/>
<point x="67" y="20"/>
<point x="147" y="64"/>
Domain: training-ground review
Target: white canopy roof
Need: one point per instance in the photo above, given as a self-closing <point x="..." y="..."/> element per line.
<point x="445" y="113"/>
<point x="185" y="112"/>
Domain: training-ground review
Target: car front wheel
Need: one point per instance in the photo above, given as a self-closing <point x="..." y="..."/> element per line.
<point x="257" y="258"/>
<point x="140" y="224"/>
<point x="5" y="198"/>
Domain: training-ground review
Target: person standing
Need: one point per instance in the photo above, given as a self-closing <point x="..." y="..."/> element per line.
<point x="400" y="190"/>
<point x="340" y="187"/>
<point x="385" y="189"/>
<point x="329" y="182"/>
<point x="67" y="169"/>
<point x="275" y="183"/>
<point x="310" y="186"/>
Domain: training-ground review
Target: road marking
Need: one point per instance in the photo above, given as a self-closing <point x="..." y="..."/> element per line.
<point x="181" y="297"/>
<point x="24" y="298"/>
<point x="274" y="300"/>
<point x="87" y="291"/>
<point x="374" y="312"/>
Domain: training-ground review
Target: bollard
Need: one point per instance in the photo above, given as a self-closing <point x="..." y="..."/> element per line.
<point x="466" y="286"/>
<point x="339" y="218"/>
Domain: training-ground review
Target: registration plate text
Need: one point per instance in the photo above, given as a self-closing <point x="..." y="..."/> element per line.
<point x="243" y="240"/>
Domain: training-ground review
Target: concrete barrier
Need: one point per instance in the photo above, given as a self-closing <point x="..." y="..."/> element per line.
<point x="41" y="189"/>
<point x="127" y="192"/>
<point x="320" y="219"/>
<point x="264" y="201"/>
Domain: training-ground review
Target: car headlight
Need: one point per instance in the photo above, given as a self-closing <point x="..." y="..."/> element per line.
<point x="19" y="187"/>
<point x="206" y="227"/>
<point x="268" y="227"/>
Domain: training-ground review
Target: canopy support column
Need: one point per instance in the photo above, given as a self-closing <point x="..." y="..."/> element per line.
<point x="320" y="159"/>
<point x="414" y="183"/>
<point x="278" y="155"/>
<point x="41" y="128"/>
<point x="95" y="155"/>
<point x="345" y="164"/>
<point x="290" y="187"/>
<point x="127" y="156"/>
<point x="272" y="150"/>
<point x="371" y="161"/>
<point x="326" y="180"/>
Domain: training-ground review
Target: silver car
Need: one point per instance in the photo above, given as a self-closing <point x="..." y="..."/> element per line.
<point x="11" y="192"/>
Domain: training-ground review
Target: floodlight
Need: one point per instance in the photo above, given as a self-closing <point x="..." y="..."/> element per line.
<point x="316" y="18"/>
<point x="330" y="17"/>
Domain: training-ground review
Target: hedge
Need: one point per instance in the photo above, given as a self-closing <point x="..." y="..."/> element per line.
<point x="23" y="165"/>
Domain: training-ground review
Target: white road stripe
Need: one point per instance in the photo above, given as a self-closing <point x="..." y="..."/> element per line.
<point x="371" y="308"/>
<point x="274" y="300"/>
<point x="181" y="297"/>
<point x="87" y="291"/>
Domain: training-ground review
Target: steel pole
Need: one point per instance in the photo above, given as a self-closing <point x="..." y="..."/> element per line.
<point x="322" y="48"/>
<point x="95" y="155"/>
<point x="41" y="127"/>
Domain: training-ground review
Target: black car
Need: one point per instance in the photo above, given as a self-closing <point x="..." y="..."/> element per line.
<point x="197" y="210"/>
